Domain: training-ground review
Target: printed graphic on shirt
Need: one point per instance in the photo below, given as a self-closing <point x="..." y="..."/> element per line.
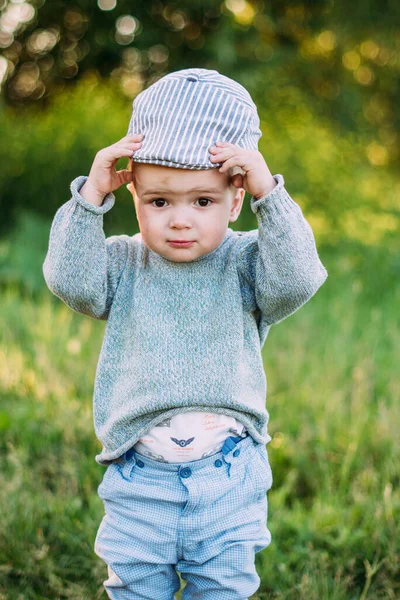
<point x="210" y="422"/>
<point x="183" y="443"/>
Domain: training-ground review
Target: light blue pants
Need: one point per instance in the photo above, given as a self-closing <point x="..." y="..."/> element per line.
<point x="205" y="518"/>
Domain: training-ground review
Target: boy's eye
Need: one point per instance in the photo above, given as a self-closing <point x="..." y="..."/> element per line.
<point x="158" y="200"/>
<point x="162" y="200"/>
<point x="206" y="199"/>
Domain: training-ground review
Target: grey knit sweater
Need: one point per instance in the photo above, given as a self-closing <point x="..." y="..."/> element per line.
<point x="181" y="336"/>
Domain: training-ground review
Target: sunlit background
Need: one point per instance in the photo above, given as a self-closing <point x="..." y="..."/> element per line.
<point x="325" y="77"/>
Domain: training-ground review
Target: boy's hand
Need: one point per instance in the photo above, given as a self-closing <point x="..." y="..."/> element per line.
<point x="257" y="180"/>
<point x="103" y="178"/>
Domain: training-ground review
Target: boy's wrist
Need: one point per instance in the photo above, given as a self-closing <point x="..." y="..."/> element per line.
<point x="272" y="183"/>
<point x="90" y="194"/>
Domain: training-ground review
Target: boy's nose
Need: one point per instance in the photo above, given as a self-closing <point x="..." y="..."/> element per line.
<point x="179" y="224"/>
<point x="179" y="220"/>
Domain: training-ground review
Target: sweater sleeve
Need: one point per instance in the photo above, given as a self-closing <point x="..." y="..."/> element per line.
<point x="279" y="266"/>
<point x="82" y="267"/>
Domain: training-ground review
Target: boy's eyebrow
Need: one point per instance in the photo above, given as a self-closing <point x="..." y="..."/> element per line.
<point x="198" y="189"/>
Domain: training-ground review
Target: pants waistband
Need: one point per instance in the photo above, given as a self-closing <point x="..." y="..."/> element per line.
<point x="234" y="449"/>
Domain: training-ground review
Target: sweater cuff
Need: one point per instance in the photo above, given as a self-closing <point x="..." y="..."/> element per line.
<point x="108" y="201"/>
<point x="277" y="195"/>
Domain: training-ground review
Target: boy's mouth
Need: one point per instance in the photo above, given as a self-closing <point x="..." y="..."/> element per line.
<point x="180" y="243"/>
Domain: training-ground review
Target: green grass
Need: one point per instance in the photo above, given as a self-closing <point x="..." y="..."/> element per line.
<point x="333" y="397"/>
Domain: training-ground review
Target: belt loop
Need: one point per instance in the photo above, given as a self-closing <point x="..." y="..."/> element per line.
<point x="127" y="468"/>
<point x="229" y="444"/>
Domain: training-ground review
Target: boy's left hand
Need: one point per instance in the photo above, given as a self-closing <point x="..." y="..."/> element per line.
<point x="257" y="180"/>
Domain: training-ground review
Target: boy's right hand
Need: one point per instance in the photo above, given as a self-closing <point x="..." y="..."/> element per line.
<point x="103" y="177"/>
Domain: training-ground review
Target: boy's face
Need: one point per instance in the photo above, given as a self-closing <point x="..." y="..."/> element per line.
<point x="179" y="204"/>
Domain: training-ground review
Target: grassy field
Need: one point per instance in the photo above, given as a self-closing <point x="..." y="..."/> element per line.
<point x="333" y="397"/>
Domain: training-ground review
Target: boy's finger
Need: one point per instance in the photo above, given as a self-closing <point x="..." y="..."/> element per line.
<point x="112" y="157"/>
<point x="134" y="136"/>
<point x="231" y="162"/>
<point x="217" y="148"/>
<point x="120" y="150"/>
<point x="137" y="137"/>
<point x="133" y="146"/>
<point x="126" y="143"/>
<point x="221" y="154"/>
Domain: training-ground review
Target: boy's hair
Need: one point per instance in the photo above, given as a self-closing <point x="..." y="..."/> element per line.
<point x="185" y="112"/>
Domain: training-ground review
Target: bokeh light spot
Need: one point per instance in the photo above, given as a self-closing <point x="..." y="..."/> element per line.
<point x="327" y="40"/>
<point x="6" y="39"/>
<point x="126" y="25"/>
<point x="364" y="75"/>
<point x="243" y="11"/>
<point x="106" y="4"/>
<point x="351" y="60"/>
<point x="124" y="40"/>
<point x="3" y="68"/>
<point x="131" y="58"/>
<point x="369" y="49"/>
<point x="158" y="53"/>
<point x="235" y="6"/>
<point x="42" y="40"/>
<point x="278" y="440"/>
<point x="178" y="20"/>
<point x="376" y="154"/>
<point x="15" y="15"/>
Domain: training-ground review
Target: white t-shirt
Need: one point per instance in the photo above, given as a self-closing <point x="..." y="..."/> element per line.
<point x="188" y="436"/>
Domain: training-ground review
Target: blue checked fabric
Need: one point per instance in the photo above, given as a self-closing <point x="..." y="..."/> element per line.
<point x="184" y="113"/>
<point x="205" y="519"/>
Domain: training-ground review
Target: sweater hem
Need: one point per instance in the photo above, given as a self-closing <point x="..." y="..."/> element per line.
<point x="108" y="456"/>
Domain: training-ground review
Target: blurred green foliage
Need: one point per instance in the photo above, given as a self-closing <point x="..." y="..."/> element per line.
<point x="333" y="398"/>
<point x="344" y="56"/>
<point x="328" y="173"/>
<point x="324" y="76"/>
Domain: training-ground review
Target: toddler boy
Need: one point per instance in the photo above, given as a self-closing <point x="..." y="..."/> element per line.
<point x="188" y="303"/>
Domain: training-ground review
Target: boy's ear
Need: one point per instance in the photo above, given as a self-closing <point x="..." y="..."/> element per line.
<point x="131" y="184"/>
<point x="130" y="187"/>
<point x="237" y="204"/>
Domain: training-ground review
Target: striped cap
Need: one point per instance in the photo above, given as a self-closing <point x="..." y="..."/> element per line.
<point x="184" y="113"/>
